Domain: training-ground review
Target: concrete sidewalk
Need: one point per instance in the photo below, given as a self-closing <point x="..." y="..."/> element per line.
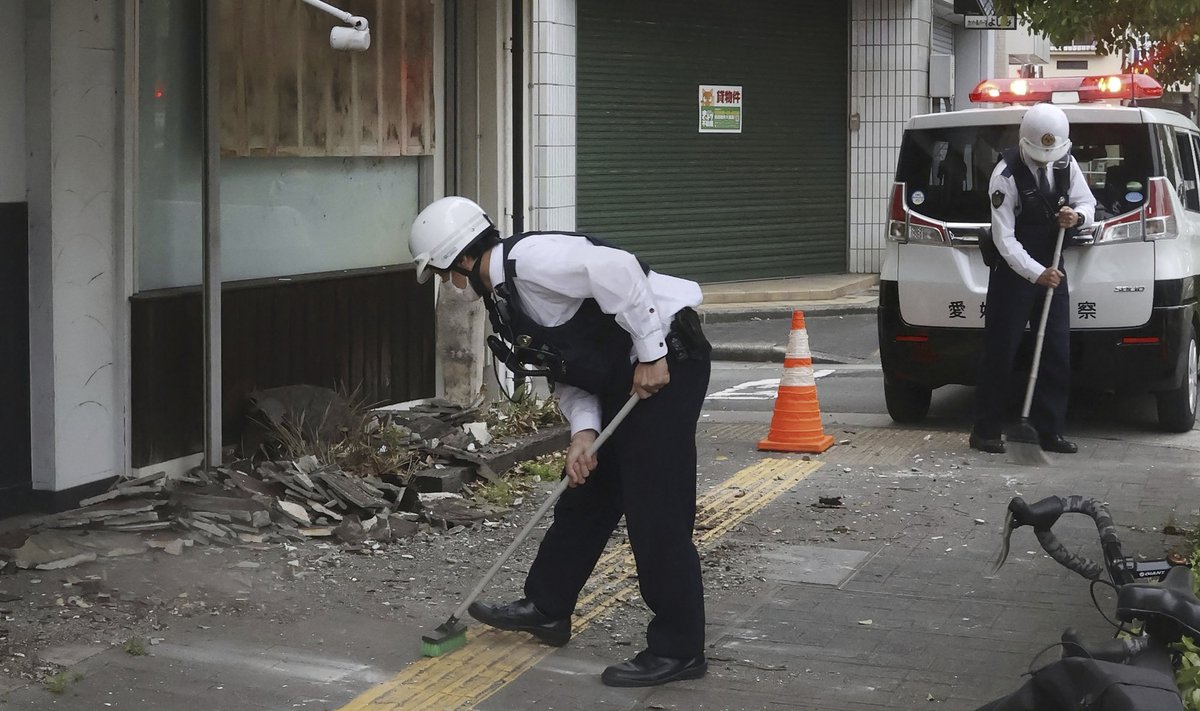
<point x="879" y="602"/>
<point x="777" y="298"/>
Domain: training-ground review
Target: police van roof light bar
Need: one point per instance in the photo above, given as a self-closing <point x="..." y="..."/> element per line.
<point x="1019" y="90"/>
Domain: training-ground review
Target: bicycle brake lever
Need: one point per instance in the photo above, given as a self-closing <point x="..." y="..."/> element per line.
<point x="1004" y="544"/>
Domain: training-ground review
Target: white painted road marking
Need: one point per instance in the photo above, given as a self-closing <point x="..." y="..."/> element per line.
<point x="757" y="389"/>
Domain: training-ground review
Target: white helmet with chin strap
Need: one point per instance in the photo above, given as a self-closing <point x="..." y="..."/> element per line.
<point x="1045" y="133"/>
<point x="442" y="231"/>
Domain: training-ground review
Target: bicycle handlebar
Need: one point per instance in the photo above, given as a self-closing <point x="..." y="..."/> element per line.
<point x="1042" y="516"/>
<point x="1118" y="651"/>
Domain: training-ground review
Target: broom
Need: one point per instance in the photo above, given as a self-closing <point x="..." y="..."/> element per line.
<point x="452" y="633"/>
<point x="1024" y="445"/>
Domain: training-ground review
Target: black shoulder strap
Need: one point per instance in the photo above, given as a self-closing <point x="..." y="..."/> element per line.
<point x="1019" y="171"/>
<point x="1062" y="177"/>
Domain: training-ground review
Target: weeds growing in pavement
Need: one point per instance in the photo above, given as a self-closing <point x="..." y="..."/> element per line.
<point x="58" y="683"/>
<point x="134" y="646"/>
<point x="519" y="480"/>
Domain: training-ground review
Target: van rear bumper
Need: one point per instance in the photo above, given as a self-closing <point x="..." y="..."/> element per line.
<point x="1147" y="357"/>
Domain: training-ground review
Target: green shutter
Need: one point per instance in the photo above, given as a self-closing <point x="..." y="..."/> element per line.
<point x="768" y="202"/>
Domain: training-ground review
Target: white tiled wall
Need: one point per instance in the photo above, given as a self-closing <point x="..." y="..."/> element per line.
<point x="552" y="204"/>
<point x="889" y="78"/>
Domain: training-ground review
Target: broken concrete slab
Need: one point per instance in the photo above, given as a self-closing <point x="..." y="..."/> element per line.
<point x="295" y="512"/>
<point x="50" y="550"/>
<point x="110" y="544"/>
<point x="446" y="479"/>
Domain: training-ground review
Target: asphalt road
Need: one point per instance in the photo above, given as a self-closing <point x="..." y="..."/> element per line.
<point x="850" y="385"/>
<point x="849" y="338"/>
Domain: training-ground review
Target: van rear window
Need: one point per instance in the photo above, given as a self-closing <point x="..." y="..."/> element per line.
<point x="951" y="167"/>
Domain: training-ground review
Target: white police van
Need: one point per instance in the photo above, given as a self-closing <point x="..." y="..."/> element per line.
<point x="1133" y="277"/>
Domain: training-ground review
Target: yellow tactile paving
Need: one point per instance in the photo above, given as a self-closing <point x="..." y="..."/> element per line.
<point x="491" y="658"/>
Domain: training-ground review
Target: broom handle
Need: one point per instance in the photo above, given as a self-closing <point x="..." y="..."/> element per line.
<point x="1041" y="333"/>
<point x="537" y="515"/>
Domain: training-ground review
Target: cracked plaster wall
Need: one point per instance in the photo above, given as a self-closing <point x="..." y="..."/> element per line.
<point x="73" y="65"/>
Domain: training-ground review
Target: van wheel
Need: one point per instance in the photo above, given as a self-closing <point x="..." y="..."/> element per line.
<point x="1177" y="408"/>
<point x="906" y="401"/>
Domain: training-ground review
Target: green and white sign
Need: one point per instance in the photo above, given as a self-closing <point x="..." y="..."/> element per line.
<point x="720" y="109"/>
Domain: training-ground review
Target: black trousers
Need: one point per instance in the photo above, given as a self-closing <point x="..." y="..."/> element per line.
<point x="646" y="472"/>
<point x="1012" y="302"/>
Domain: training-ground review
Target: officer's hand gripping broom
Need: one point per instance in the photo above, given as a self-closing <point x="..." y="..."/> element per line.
<point x="1024" y="444"/>
<point x="452" y="633"/>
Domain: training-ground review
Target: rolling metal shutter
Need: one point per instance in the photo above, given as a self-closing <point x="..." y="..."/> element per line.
<point x="766" y="203"/>
<point x="941" y="40"/>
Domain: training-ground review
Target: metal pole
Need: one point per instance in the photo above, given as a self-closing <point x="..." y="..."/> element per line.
<point x="210" y="200"/>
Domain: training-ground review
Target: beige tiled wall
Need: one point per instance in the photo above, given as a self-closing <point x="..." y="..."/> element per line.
<point x="889" y="69"/>
<point x="552" y="206"/>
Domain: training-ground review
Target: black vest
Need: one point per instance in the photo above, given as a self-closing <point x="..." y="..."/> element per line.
<point x="590" y="350"/>
<point x="1036" y="226"/>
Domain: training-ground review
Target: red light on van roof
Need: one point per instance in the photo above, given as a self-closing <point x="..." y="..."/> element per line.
<point x="1066" y="89"/>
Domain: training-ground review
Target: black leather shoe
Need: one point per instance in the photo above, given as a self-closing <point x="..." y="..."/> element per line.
<point x="647" y="669"/>
<point x="1056" y="443"/>
<point x="522" y="616"/>
<point x="993" y="445"/>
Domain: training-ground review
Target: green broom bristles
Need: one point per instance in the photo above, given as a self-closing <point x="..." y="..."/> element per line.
<point x="432" y="649"/>
<point x="448" y="637"/>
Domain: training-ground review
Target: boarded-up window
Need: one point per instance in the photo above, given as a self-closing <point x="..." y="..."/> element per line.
<point x="285" y="92"/>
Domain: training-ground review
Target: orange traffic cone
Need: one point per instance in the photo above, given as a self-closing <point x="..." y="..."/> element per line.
<point x="796" y="423"/>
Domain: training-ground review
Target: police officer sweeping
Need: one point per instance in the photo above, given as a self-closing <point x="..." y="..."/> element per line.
<point x="1036" y="189"/>
<point x="601" y="326"/>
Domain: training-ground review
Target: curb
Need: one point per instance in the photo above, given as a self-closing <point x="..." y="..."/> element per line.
<point x="766" y="353"/>
<point x="717" y="314"/>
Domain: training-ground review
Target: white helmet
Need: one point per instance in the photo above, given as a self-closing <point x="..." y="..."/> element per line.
<point x="1045" y="133"/>
<point x="442" y="231"/>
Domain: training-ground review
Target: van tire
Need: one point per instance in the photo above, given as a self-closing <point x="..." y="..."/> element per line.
<point x="907" y="401"/>
<point x="1177" y="408"/>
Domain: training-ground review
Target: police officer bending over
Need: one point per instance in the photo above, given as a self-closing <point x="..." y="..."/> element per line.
<point x="1036" y="189"/>
<point x="602" y="326"/>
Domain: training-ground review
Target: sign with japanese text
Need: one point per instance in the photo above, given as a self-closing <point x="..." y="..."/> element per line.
<point x="720" y="109"/>
<point x="990" y="22"/>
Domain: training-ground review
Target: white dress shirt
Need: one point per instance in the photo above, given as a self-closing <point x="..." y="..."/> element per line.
<point x="1004" y="218"/>
<point x="556" y="272"/>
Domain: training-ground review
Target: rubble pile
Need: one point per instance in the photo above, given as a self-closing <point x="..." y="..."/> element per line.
<point x="253" y="503"/>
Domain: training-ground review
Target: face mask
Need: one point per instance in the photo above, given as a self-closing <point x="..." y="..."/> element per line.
<point x="473" y="277"/>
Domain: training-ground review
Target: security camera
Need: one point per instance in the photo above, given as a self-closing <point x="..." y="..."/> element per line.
<point x="350" y="39"/>
<point x="355" y="38"/>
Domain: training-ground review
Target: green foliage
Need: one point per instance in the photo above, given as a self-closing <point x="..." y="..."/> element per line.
<point x="1169" y="29"/>
<point x="58" y="683"/>
<point x="505" y="491"/>
<point x="1187" y="672"/>
<point x="134" y="646"/>
<point x="1187" y="675"/>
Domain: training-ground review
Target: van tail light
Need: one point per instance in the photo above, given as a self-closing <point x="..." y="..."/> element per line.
<point x="1126" y="228"/>
<point x="1155" y="220"/>
<point x="905" y="226"/>
<point x="897" y="215"/>
<point x="1160" y="212"/>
